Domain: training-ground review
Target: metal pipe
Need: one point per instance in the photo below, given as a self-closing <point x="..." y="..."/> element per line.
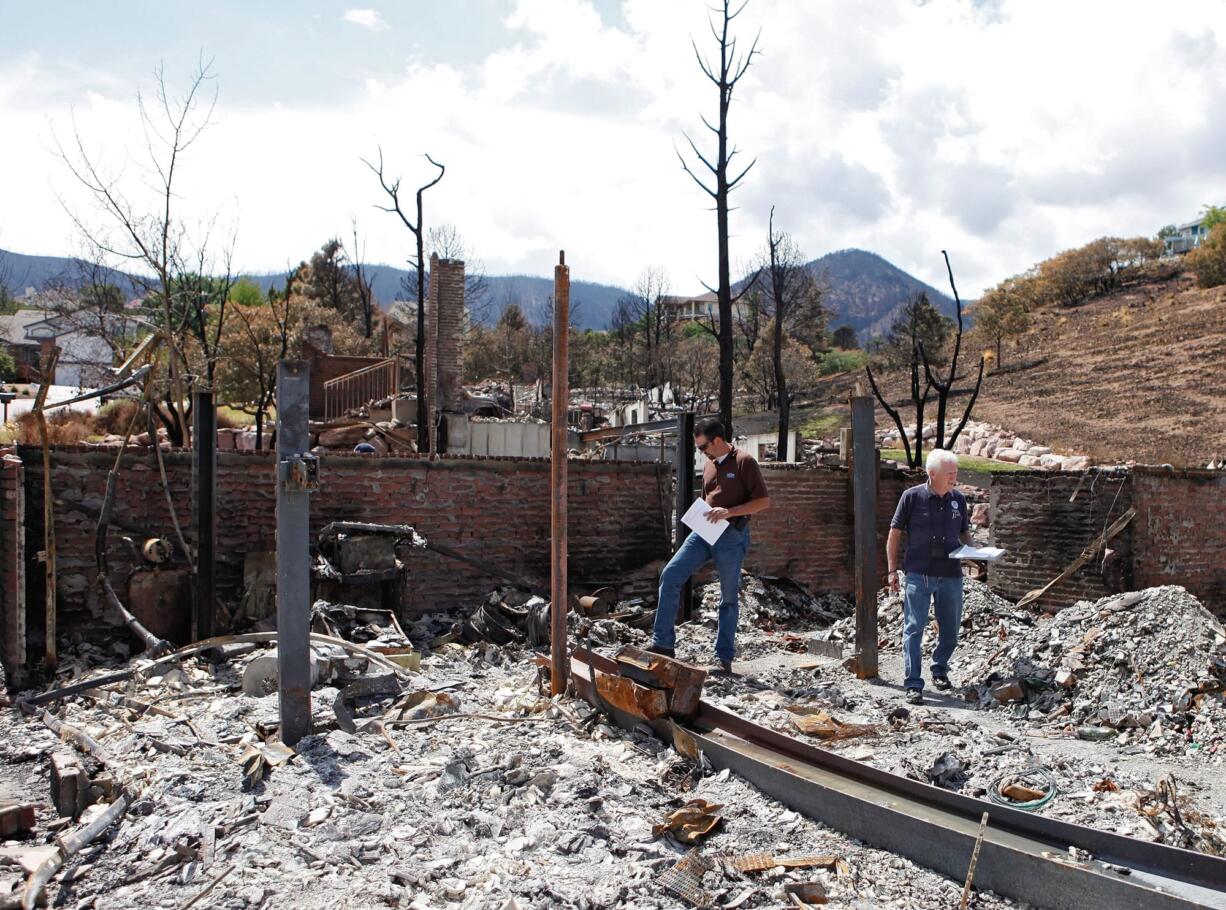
<point x="559" y="658"/>
<point x="204" y="490"/>
<point x="864" y="494"/>
<point x="293" y="553"/>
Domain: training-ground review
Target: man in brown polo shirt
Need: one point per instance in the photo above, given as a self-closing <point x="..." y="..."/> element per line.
<point x="733" y="487"/>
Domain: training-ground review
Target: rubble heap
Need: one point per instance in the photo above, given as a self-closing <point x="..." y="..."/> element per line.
<point x="471" y="791"/>
<point x="1149" y="665"/>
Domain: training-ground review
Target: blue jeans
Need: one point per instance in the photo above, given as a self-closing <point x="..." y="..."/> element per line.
<point x="946" y="594"/>
<point x="727" y="554"/>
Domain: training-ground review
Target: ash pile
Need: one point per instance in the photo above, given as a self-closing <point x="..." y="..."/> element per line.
<point x="1147" y="668"/>
<point x="457" y="785"/>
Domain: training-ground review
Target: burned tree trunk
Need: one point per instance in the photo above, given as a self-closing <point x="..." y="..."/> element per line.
<point x="724" y="76"/>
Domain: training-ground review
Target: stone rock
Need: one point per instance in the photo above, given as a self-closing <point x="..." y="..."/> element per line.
<point x="1009" y="691"/>
<point x="339" y="437"/>
<point x="1029" y="461"/>
<point x="1011" y="455"/>
<point x="1020" y="445"/>
<point x="1039" y="450"/>
<point x="981" y="514"/>
<point x="1076" y="462"/>
<point x="962" y="445"/>
<point x="1050" y="461"/>
<point x="978" y="447"/>
<point x="1066" y="678"/>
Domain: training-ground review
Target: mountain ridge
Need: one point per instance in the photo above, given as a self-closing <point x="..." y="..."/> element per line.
<point x="863" y="289"/>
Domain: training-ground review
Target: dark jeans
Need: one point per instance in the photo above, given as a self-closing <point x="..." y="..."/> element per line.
<point x="727" y="554"/>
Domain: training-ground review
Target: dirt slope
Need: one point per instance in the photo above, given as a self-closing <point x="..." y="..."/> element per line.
<point x="1138" y="374"/>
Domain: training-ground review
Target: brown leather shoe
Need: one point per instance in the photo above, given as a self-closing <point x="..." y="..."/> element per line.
<point x="721" y="667"/>
<point x="660" y="649"/>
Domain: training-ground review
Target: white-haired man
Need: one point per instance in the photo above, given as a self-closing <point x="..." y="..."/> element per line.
<point x="935" y="519"/>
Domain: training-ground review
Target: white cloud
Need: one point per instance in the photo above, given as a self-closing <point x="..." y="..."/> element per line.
<point x="367" y="18"/>
<point x="1002" y="133"/>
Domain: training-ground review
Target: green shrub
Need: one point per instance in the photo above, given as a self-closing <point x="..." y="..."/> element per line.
<point x="1208" y="260"/>
<point x="837" y="361"/>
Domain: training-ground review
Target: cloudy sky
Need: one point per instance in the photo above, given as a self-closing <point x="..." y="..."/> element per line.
<point x="1001" y="130"/>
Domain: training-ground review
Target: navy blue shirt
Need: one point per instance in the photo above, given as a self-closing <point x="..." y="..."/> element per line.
<point x="932" y="524"/>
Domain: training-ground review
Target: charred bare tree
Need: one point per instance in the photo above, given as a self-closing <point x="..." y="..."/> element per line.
<point x="362" y="280"/>
<point x="155" y="241"/>
<point x="724" y="75"/>
<point x="392" y="189"/>
<point x="945" y="386"/>
<point x="449" y="243"/>
<point x="920" y="366"/>
<point x="792" y="294"/>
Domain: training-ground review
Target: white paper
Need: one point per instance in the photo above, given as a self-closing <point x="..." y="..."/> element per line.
<point x="695" y="518"/>
<point x="984" y="553"/>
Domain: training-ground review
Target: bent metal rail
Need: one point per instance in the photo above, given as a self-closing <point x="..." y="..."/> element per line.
<point x="1024" y="856"/>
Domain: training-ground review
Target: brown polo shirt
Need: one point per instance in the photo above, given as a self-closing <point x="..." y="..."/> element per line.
<point x="733" y="482"/>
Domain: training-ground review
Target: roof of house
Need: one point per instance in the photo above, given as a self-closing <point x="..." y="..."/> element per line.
<point x="14" y="327"/>
<point x="708" y="297"/>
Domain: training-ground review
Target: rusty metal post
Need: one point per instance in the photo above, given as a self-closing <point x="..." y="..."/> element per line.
<point x="50" y="624"/>
<point x="685" y="496"/>
<point x="559" y="659"/>
<point x="297" y="474"/>
<point x="204" y="489"/>
<point x="864" y="493"/>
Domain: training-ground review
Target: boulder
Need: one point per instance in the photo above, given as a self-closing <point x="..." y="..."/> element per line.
<point x="962" y="445"/>
<point x="977" y="447"/>
<point x="1029" y="461"/>
<point x="981" y="514"/>
<point x="1076" y="462"/>
<point x="1020" y="445"/>
<point x="1012" y="455"/>
<point x="342" y="437"/>
<point x="1039" y="450"/>
<point x="1050" y="461"/>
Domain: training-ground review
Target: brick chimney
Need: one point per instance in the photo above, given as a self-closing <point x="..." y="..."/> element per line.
<point x="445" y="314"/>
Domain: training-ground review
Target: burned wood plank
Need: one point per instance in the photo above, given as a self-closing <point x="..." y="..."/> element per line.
<point x="682" y="681"/>
<point x="631" y="697"/>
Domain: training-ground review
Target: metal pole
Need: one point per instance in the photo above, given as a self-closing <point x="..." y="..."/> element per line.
<point x="294" y="469"/>
<point x="685" y="496"/>
<point x="204" y="488"/>
<point x="864" y="492"/>
<point x="559" y="660"/>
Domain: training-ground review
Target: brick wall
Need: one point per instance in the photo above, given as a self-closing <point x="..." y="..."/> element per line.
<point x="497" y="510"/>
<point x="1033" y="518"/>
<point x="12" y="565"/>
<point x="806" y="534"/>
<point x="1178" y="535"/>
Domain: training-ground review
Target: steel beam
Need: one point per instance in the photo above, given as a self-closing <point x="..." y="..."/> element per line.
<point x="559" y="653"/>
<point x="293" y="552"/>
<point x="864" y="496"/>
<point x="204" y="494"/>
<point x="1027" y="853"/>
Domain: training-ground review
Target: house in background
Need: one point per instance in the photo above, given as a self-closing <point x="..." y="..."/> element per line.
<point x="703" y="307"/>
<point x="85" y="357"/>
<point x="1188" y="238"/>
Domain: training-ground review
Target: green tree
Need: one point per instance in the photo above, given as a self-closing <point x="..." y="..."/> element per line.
<point x="246" y="293"/>
<point x="920" y="325"/>
<point x="1208" y="260"/>
<point x="8" y="368"/>
<point x="845" y="337"/>
<point x="1168" y="231"/>
<point x="1212" y="216"/>
<point x="1002" y="312"/>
